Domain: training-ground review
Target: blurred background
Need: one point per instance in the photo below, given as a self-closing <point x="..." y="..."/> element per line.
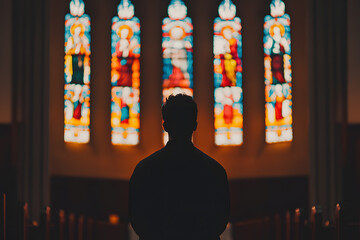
<point x="308" y="188"/>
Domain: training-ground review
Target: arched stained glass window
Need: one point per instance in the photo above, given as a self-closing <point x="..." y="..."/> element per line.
<point x="125" y="76"/>
<point x="228" y="109"/>
<point x="278" y="78"/>
<point x="177" y="45"/>
<point x="77" y="74"/>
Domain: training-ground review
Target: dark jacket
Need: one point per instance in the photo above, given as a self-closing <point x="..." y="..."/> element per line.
<point x="179" y="193"/>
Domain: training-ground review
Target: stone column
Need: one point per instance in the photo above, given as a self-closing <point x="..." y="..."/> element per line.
<point x="328" y="116"/>
<point x="30" y="102"/>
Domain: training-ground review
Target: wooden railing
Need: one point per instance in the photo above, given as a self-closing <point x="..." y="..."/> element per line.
<point x="297" y="225"/>
<point x="290" y="225"/>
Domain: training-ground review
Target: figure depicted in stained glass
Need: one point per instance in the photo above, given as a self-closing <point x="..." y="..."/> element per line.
<point x="125" y="72"/>
<point x="228" y="116"/>
<point x="278" y="46"/>
<point x="177" y="47"/>
<point x="228" y="76"/>
<point x="125" y="112"/>
<point x="77" y="102"/>
<point x="77" y="74"/>
<point x="126" y="54"/>
<point x="277" y="62"/>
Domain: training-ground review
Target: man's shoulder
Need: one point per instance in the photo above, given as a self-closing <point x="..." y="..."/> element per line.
<point x="151" y="159"/>
<point x="144" y="165"/>
<point x="157" y="159"/>
<point x="209" y="160"/>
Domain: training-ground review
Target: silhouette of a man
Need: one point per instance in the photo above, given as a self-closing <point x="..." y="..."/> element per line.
<point x="179" y="192"/>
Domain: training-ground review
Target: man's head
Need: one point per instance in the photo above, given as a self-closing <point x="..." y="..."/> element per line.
<point x="179" y="114"/>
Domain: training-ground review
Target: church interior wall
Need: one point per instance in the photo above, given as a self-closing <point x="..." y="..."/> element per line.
<point x="5" y="81"/>
<point x="5" y="61"/>
<point x="352" y="171"/>
<point x="254" y="159"/>
<point x="353" y="50"/>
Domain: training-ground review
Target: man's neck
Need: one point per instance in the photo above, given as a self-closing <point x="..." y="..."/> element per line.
<point x="180" y="139"/>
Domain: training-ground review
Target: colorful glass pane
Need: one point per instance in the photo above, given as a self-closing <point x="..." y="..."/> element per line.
<point x="177" y="45"/>
<point x="228" y="109"/>
<point x="278" y="77"/>
<point x="77" y="74"/>
<point x="125" y="76"/>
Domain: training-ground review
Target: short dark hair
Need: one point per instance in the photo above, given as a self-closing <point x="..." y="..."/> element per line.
<point x="179" y="113"/>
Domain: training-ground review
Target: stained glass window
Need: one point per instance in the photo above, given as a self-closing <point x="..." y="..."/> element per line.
<point x="278" y="78"/>
<point x="177" y="45"/>
<point x="77" y="74"/>
<point x="228" y="109"/>
<point x="125" y="76"/>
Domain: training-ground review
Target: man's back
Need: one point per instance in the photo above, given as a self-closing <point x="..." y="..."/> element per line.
<point x="179" y="193"/>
